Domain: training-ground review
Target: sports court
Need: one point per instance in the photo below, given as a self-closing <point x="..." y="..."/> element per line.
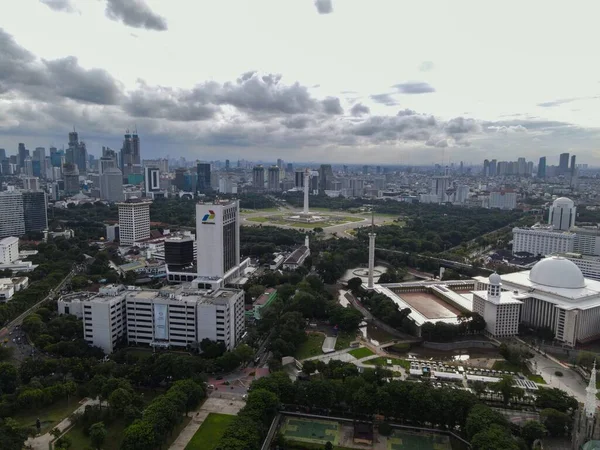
<point x="405" y="440"/>
<point x="306" y="430"/>
<point x="429" y="305"/>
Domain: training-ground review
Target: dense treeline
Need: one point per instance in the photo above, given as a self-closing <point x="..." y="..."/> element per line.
<point x="338" y="388"/>
<point x="263" y="241"/>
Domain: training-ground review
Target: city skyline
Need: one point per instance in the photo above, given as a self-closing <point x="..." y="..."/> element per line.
<point x="348" y="91"/>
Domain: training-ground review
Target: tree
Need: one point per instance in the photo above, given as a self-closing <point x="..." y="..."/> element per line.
<point x="119" y="400"/>
<point x="8" y="378"/>
<point x="244" y="353"/>
<point x="482" y="417"/>
<point x="506" y="388"/>
<point x="495" y="437"/>
<point x="556" y="422"/>
<point x="478" y="387"/>
<point x="211" y="349"/>
<point x="555" y="399"/>
<point x="328" y="446"/>
<point x="256" y="291"/>
<point x="354" y="284"/>
<point x="138" y="436"/>
<point x="98" y="435"/>
<point x="12" y="435"/>
<point x="532" y="430"/>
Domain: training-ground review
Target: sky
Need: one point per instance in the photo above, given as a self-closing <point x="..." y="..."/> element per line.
<point x="340" y="81"/>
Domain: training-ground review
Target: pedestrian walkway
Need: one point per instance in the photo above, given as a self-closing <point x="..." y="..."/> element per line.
<point x="43" y="442"/>
<point x="214" y="404"/>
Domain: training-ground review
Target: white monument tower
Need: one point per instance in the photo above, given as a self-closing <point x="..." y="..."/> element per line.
<point x="371" y="251"/>
<point x="306" y="189"/>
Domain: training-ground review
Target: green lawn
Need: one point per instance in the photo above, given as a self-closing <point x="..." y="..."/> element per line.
<point x="311" y="347"/>
<point x="114" y="435"/>
<point x="50" y="416"/>
<point x="361" y="352"/>
<point x="536" y="379"/>
<point x="311" y="446"/>
<point x="208" y="435"/>
<point x="258" y="219"/>
<point x="344" y="339"/>
<point x="382" y="361"/>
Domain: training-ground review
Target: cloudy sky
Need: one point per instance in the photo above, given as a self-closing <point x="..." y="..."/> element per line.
<point x="356" y="81"/>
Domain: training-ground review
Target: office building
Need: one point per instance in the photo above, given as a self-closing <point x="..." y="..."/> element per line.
<point x="563" y="166"/>
<point x="22" y="154"/>
<point x="27" y="168"/>
<point x="273" y="179"/>
<point x="541" y="240"/>
<point x="134" y="221"/>
<point x="258" y="178"/>
<point x="503" y="200"/>
<point x="325" y="177"/>
<point x="9" y="250"/>
<point x="178" y="317"/>
<point x="462" y="193"/>
<point x="12" y="220"/>
<point x="2" y="154"/>
<point x="35" y="211"/>
<point x="562" y="214"/>
<point x="227" y="185"/>
<point x="541" y="172"/>
<point x="151" y="180"/>
<point x="218" y="238"/>
<point x="77" y="153"/>
<point x="31" y="183"/>
<point x="71" y="179"/>
<point x="299" y="178"/>
<point x="554" y="294"/>
<point x="179" y="251"/>
<point x="111" y="185"/>
<point x="203" y="185"/>
<point x="439" y="188"/>
<point x="500" y="310"/>
<point x="130" y="156"/>
<point x="105" y="163"/>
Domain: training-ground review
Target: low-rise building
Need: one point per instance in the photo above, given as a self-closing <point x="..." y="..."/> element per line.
<point x="298" y="256"/>
<point x="542" y="240"/>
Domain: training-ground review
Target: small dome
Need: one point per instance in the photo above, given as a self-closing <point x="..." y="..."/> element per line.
<point x="495" y="279"/>
<point x="557" y="272"/>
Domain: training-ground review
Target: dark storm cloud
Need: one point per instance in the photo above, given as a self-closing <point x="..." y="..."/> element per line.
<point x="414" y="87"/>
<point x="297" y="122"/>
<point x="324" y="6"/>
<point x="359" y="109"/>
<point x="385" y="99"/>
<point x="406" y="112"/>
<point x="59" y="5"/>
<point x="135" y="13"/>
<point x="332" y="106"/>
<point x="394" y="128"/>
<point x="46" y="79"/>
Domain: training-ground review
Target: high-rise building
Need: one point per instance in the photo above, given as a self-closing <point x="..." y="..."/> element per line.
<point x="151" y="180"/>
<point x="439" y="187"/>
<point x="134" y="221"/>
<point x="218" y="238"/>
<point x="31" y="184"/>
<point x="39" y="154"/>
<point x="273" y="179"/>
<point x="71" y="178"/>
<point x="203" y="181"/>
<point x="105" y="163"/>
<point x="131" y="155"/>
<point x="563" y="166"/>
<point x="486" y="167"/>
<point x="12" y="219"/>
<point x="77" y="152"/>
<point x="9" y="250"/>
<point x="299" y="178"/>
<point x="562" y="214"/>
<point x="35" y="211"/>
<point x="325" y="176"/>
<point x="503" y="200"/>
<point x="179" y="252"/>
<point x="27" y="168"/>
<point x="179" y="180"/>
<point x="2" y="153"/>
<point x="280" y="163"/>
<point x="258" y="177"/>
<point x="493" y="167"/>
<point x="573" y="168"/>
<point x="541" y="172"/>
<point x="111" y="185"/>
<point x="22" y="154"/>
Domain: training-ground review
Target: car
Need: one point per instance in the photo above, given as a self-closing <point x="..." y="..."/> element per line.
<point x="219" y="377"/>
<point x="245" y="397"/>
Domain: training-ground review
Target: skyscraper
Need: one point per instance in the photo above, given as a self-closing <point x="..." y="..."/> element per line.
<point x="134" y="221"/>
<point x="131" y="162"/>
<point x="325" y="176"/>
<point x="35" y="211"/>
<point x="71" y="178"/>
<point x="573" y="166"/>
<point x="258" y="177"/>
<point x="562" y="214"/>
<point x="203" y="181"/>
<point x="151" y="180"/>
<point x="23" y="153"/>
<point x="273" y="179"/>
<point x="217" y="238"/>
<point x="77" y="152"/>
<point x="12" y="221"/>
<point x="486" y="168"/>
<point x="299" y="178"/>
<point x="111" y="185"/>
<point x="541" y="171"/>
<point x="563" y="166"/>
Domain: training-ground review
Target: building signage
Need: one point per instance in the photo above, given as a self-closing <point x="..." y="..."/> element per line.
<point x="160" y="322"/>
<point x="209" y="218"/>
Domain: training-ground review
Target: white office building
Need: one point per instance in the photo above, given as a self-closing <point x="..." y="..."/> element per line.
<point x="134" y="221"/>
<point x="587" y="240"/>
<point x="9" y="250"/>
<point x="111" y="185"/>
<point x="562" y="214"/>
<point x="218" y="243"/>
<point x="176" y="316"/>
<point x="503" y="200"/>
<point x="151" y="180"/>
<point x="554" y="294"/>
<point x="500" y="309"/>
<point x="542" y="240"/>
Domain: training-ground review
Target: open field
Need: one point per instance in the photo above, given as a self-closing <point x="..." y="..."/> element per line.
<point x="280" y="219"/>
<point x="343" y="340"/>
<point x="405" y="440"/>
<point x="311" y="431"/>
<point x="361" y="352"/>
<point x="208" y="435"/>
<point x="382" y="361"/>
<point x="311" y="347"/>
<point x="429" y="305"/>
<point x="506" y="366"/>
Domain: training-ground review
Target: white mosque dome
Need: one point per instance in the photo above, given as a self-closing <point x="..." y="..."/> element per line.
<point x="495" y="279"/>
<point x="557" y="272"/>
<point x="563" y="201"/>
